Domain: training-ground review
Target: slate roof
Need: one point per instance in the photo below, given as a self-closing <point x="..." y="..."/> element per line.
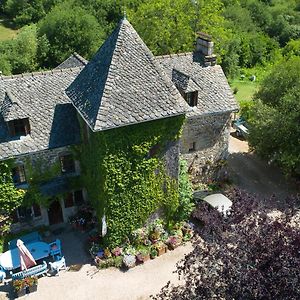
<point x="73" y="61"/>
<point x="123" y="84"/>
<point x="40" y="97"/>
<point x="184" y="82"/>
<point x="11" y="108"/>
<point x="214" y="92"/>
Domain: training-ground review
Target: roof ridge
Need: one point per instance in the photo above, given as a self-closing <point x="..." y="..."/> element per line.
<point x="173" y="55"/>
<point x="79" y="57"/>
<point x="110" y="81"/>
<point x="186" y="75"/>
<point x="53" y="71"/>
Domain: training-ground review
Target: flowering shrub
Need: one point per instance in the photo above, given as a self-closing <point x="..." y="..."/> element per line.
<point x="129" y="260"/>
<point x="151" y="240"/>
<point x="117" y="251"/>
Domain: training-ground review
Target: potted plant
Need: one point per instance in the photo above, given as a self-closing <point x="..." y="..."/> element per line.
<point x="129" y="260"/>
<point x="31" y="283"/>
<point x="153" y="253"/>
<point x="117" y="251"/>
<point x="143" y="254"/>
<point x="107" y="253"/>
<point x="19" y="287"/>
<point x="187" y="229"/>
<point x="173" y="242"/>
<point x="160" y="247"/>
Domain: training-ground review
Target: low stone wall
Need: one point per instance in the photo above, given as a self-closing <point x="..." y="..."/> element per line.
<point x="210" y="135"/>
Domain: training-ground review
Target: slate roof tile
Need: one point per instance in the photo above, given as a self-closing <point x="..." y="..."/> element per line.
<point x="188" y="73"/>
<point x="124" y="72"/>
<point x="52" y="117"/>
<point x="73" y="61"/>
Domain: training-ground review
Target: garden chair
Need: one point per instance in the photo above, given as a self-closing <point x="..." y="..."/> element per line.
<point x="58" y="265"/>
<point x="55" y="248"/>
<point x="2" y="275"/>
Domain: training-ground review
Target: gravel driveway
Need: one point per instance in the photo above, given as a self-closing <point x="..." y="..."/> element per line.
<point x="255" y="175"/>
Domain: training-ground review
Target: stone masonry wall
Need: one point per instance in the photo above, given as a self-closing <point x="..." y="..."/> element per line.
<point x="48" y="157"/>
<point x="210" y="135"/>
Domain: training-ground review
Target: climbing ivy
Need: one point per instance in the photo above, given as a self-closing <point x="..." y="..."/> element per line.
<point x="10" y="196"/>
<point x="124" y="173"/>
<point x="38" y="172"/>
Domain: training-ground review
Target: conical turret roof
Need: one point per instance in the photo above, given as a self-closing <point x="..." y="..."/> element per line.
<point x="123" y="84"/>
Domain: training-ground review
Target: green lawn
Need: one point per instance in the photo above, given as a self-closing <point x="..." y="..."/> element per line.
<point x="246" y="89"/>
<point x="6" y="30"/>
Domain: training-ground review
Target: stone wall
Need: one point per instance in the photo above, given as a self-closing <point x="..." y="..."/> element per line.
<point x="47" y="157"/>
<point x="171" y="159"/>
<point x="210" y="135"/>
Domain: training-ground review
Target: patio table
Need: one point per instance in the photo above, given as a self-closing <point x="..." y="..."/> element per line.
<point x="10" y="259"/>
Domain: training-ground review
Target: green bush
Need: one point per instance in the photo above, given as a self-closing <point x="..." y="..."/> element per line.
<point x="186" y="204"/>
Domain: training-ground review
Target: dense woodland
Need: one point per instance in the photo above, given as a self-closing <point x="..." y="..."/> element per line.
<point x="248" y="35"/>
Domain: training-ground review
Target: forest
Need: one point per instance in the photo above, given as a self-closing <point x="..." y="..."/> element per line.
<point x="252" y="37"/>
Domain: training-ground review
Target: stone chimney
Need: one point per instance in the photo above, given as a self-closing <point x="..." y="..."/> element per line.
<point x="205" y="46"/>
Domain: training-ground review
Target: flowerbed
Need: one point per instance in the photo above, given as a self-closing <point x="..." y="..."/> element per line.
<point x="143" y="244"/>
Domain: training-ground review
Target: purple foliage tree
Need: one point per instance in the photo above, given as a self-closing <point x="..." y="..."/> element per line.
<point x="252" y="254"/>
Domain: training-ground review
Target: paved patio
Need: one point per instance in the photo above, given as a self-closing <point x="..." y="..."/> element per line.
<point x="111" y="284"/>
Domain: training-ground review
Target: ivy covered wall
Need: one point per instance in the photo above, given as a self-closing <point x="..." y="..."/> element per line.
<point x="124" y="172"/>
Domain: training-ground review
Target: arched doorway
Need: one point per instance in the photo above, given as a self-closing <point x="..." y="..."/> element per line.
<point x="55" y="213"/>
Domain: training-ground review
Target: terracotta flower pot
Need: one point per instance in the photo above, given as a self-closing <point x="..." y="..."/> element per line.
<point x="32" y="288"/>
<point x="20" y="293"/>
<point x="161" y="251"/>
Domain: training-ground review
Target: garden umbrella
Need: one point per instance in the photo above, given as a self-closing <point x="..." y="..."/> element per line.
<point x="26" y="259"/>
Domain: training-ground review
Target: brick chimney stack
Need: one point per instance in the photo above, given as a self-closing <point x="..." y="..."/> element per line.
<point x="205" y="46"/>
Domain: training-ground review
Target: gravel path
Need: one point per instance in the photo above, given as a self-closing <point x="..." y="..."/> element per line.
<point x="89" y="283"/>
<point x="255" y="175"/>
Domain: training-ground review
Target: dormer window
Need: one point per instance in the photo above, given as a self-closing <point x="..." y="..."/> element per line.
<point x="18" y="174"/>
<point x="67" y="164"/>
<point x="191" y="98"/>
<point x="19" y="127"/>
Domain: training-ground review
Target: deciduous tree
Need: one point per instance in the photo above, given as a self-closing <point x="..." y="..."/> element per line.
<point x="253" y="254"/>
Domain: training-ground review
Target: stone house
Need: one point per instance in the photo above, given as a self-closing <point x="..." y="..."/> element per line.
<point x="122" y="85"/>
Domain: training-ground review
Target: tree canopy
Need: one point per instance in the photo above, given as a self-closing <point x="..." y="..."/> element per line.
<point x="253" y="254"/>
<point x="69" y="28"/>
<point x="275" y="117"/>
<point x="247" y="33"/>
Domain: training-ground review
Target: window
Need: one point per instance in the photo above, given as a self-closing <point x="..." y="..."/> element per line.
<point x="19" y="127"/>
<point x="25" y="214"/>
<point x="78" y="197"/>
<point x="67" y="164"/>
<point x="36" y="210"/>
<point x="68" y="200"/>
<point x="192" y="147"/>
<point x="18" y="174"/>
<point x="192" y="98"/>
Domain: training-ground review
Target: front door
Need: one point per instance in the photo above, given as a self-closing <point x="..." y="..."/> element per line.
<point x="55" y="214"/>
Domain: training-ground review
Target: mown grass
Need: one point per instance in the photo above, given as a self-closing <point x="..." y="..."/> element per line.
<point x="7" y="31"/>
<point x="245" y="89"/>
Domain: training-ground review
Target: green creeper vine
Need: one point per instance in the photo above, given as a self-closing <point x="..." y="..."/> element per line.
<point x="10" y="196"/>
<point x="124" y="180"/>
